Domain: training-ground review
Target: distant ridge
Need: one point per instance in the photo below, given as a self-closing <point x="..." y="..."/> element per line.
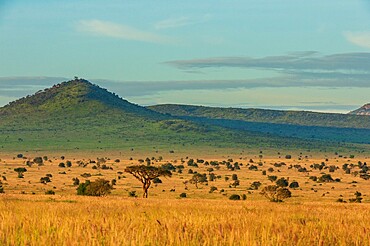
<point x="301" y="118"/>
<point x="364" y="110"/>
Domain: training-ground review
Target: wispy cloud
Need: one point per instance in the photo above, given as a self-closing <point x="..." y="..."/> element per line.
<point x="307" y="68"/>
<point x="361" y="39"/>
<point x="120" y="31"/>
<point x="180" y="22"/>
<point x="298" y="62"/>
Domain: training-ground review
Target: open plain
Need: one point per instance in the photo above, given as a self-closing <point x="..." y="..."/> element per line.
<point x="206" y="216"/>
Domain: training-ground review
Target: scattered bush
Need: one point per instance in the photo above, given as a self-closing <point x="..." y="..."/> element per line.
<point x="99" y="187"/>
<point x="255" y="185"/>
<point x="326" y="178"/>
<point x="357" y="199"/>
<point x="86" y="175"/>
<point x="282" y="182"/>
<point x="49" y="192"/>
<point x="45" y="180"/>
<point x="183" y="195"/>
<point x="157" y="181"/>
<point x="275" y="193"/>
<point x="234" y="197"/>
<point x="313" y="178"/>
<point x="38" y="160"/>
<point x="272" y="178"/>
<point x="212" y="189"/>
<point x="132" y="193"/>
<point x="294" y="185"/>
<point x="1" y="187"/>
<point x="68" y="163"/>
<point x="76" y="181"/>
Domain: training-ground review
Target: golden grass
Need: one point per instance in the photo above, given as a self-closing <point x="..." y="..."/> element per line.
<point x="310" y="217"/>
<point x="65" y="220"/>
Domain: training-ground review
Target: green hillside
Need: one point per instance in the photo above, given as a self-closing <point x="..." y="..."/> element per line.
<point x="77" y="115"/>
<point x="303" y="118"/>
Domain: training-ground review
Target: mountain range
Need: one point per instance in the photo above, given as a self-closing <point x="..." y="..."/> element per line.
<point x="78" y="115"/>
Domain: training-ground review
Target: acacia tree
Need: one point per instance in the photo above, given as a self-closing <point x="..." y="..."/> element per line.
<point x="198" y="178"/>
<point x="145" y="174"/>
<point x="275" y="193"/>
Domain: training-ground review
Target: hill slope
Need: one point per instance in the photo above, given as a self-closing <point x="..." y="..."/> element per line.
<point x="303" y="118"/>
<point x="364" y="110"/>
<point x="79" y="115"/>
<point x="301" y="124"/>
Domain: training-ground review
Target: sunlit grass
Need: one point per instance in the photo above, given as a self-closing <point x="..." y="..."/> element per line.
<point x="40" y="220"/>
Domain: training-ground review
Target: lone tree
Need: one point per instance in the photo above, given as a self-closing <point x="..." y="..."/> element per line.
<point x="20" y="171"/>
<point x="275" y="193"/>
<point x="145" y="174"/>
<point x="198" y="178"/>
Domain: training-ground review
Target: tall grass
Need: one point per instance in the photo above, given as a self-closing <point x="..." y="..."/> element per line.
<point x="39" y="220"/>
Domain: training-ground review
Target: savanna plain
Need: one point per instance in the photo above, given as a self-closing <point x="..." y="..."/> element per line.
<point x="329" y="202"/>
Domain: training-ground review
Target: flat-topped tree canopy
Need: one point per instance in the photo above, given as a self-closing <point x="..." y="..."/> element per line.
<point x="145" y="174"/>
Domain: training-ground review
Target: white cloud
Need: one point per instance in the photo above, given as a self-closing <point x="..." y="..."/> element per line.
<point x="171" y="23"/>
<point x="114" y="30"/>
<point x="180" y="21"/>
<point x="361" y="39"/>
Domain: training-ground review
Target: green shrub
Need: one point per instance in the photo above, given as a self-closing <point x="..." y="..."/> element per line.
<point x="212" y="189"/>
<point x="294" y="185"/>
<point x="313" y="178"/>
<point x="50" y="192"/>
<point x="68" y="163"/>
<point x="1" y="187"/>
<point x="234" y="197"/>
<point x="234" y="177"/>
<point x="272" y="178"/>
<point x="99" y="187"/>
<point x="76" y="181"/>
<point x="132" y="193"/>
<point x="326" y="178"/>
<point x="255" y="185"/>
<point x="45" y="180"/>
<point x="38" y="160"/>
<point x="282" y="182"/>
<point x="157" y="181"/>
<point x="183" y="195"/>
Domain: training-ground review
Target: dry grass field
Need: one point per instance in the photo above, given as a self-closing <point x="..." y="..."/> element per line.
<point x="312" y="216"/>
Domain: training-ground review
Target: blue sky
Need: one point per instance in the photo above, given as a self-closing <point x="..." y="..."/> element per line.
<point x="283" y="54"/>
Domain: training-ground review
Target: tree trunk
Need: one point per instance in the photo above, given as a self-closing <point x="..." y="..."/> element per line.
<point x="146" y="186"/>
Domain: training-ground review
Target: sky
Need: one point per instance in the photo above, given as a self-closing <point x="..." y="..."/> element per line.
<point x="281" y="54"/>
